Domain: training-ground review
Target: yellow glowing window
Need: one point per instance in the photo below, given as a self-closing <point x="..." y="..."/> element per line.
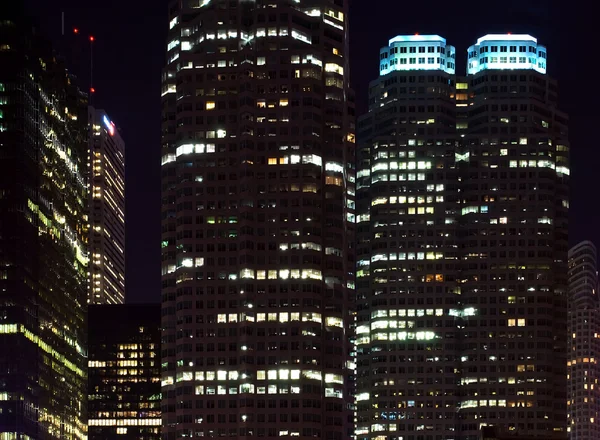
<point x="333" y="180"/>
<point x="283" y="102"/>
<point x="272" y="161"/>
<point x="210" y="105"/>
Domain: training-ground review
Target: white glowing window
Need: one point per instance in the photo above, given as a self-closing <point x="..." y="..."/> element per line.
<point x="247" y="273"/>
<point x="272" y="374"/>
<point x="247" y="388"/>
<point x="312" y="374"/>
<point x="311" y="316"/>
<point x="312" y="159"/>
<point x="331" y="321"/>
<point x="332" y="392"/>
<point x="334" y="67"/>
<point x="334" y="378"/>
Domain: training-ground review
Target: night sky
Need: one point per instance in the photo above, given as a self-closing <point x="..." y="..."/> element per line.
<point x="130" y="41"/>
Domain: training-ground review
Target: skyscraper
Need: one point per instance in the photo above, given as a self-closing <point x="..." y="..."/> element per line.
<point x="462" y="243"/>
<point x="257" y="226"/>
<point x="107" y="210"/>
<point x="406" y="252"/>
<point x="584" y="343"/>
<point x="124" y="372"/>
<point x="43" y="242"/>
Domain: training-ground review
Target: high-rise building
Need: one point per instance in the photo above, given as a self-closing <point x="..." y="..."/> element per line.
<point x="43" y="240"/>
<point x="583" y="369"/>
<point x="124" y="372"/>
<point x="107" y="210"/>
<point x="462" y="244"/>
<point x="258" y="214"/>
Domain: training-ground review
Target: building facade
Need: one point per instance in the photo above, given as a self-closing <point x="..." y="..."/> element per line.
<point x="107" y="210"/>
<point x="583" y="371"/>
<point x="43" y="241"/>
<point x="124" y="372"/>
<point x="462" y="244"/>
<point x="258" y="219"/>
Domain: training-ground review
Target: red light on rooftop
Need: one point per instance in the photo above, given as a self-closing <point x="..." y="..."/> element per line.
<point x="91" y="38"/>
<point x="92" y="90"/>
<point x="416" y="33"/>
<point x="75" y="30"/>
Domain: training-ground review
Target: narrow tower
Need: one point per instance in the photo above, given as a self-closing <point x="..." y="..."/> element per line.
<point x="584" y="343"/>
<point x="107" y="209"/>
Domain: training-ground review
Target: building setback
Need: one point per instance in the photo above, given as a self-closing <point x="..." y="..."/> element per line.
<point x="583" y="371"/>
<point x="124" y="372"/>
<point x="43" y="242"/>
<point x="257" y="226"/>
<point x="107" y="210"/>
<point x="462" y="244"/>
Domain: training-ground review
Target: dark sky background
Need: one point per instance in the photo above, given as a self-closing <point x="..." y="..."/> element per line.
<point x="130" y="41"/>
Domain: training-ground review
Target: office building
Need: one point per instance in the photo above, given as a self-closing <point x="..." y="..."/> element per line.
<point x="124" y="372"/>
<point x="583" y="370"/>
<point x="43" y="240"/>
<point x="462" y="244"/>
<point x="107" y="210"/>
<point x="257" y="226"/>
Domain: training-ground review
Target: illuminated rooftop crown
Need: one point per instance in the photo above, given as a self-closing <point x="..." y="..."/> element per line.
<point x="506" y="52"/>
<point x="417" y="52"/>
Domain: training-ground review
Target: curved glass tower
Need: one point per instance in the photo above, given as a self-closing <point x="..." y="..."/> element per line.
<point x="258" y="220"/>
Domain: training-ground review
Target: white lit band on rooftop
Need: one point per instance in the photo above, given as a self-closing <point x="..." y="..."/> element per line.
<point x="491" y="52"/>
<point x="506" y="52"/>
<point x="417" y="52"/>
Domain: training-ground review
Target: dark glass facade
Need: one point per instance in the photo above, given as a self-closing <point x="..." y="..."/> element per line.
<point x="43" y="228"/>
<point x="124" y="372"/>
<point x="258" y="221"/>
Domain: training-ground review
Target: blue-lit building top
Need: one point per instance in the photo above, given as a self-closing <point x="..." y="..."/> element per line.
<point x="417" y="52"/>
<point x="506" y="52"/>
